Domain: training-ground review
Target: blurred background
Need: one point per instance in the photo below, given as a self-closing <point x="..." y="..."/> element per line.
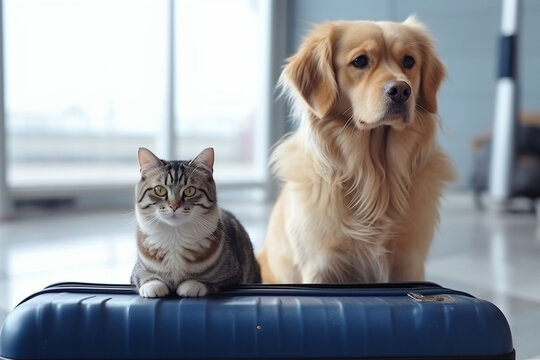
<point x="87" y="82"/>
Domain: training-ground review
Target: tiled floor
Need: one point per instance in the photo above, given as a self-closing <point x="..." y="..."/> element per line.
<point x="492" y="256"/>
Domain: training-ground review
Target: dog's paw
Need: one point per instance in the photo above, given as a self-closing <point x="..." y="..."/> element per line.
<point x="154" y="288"/>
<point x="192" y="288"/>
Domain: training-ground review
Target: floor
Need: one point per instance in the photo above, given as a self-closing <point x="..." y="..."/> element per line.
<point x="491" y="255"/>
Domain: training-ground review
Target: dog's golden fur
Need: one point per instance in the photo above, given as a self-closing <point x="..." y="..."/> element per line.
<point x="363" y="173"/>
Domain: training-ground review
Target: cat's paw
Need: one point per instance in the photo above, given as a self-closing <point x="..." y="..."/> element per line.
<point x="192" y="288"/>
<point x="154" y="288"/>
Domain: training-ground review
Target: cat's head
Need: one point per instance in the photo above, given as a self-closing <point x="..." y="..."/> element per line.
<point x="174" y="192"/>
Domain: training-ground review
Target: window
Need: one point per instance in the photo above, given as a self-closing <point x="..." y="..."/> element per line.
<point x="86" y="85"/>
<point x="218" y="47"/>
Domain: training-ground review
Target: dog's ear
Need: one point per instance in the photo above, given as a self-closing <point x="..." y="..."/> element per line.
<point x="432" y="71"/>
<point x="310" y="72"/>
<point x="432" y="76"/>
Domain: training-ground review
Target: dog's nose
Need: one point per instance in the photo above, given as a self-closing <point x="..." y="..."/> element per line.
<point x="398" y="91"/>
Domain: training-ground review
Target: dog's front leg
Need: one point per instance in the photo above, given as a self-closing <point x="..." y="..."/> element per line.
<point x="319" y="271"/>
<point x="310" y="275"/>
<point x="410" y="249"/>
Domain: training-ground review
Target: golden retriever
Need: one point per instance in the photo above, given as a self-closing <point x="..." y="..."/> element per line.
<point x="363" y="173"/>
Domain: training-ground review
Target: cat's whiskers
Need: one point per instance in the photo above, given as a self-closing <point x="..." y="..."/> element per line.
<point x="203" y="227"/>
<point x="209" y="228"/>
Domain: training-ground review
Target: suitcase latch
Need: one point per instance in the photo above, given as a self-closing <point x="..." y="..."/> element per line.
<point x="438" y="298"/>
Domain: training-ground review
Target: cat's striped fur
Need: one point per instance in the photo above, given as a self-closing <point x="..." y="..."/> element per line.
<point x="186" y="243"/>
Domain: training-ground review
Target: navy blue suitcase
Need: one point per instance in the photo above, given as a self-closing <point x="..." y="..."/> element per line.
<point x="376" y="321"/>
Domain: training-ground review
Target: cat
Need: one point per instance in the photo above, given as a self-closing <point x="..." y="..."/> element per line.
<point x="186" y="243"/>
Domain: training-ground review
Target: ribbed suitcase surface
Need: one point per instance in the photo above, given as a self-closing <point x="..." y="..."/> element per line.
<point x="420" y="320"/>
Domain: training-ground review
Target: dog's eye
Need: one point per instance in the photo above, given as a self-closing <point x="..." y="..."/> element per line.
<point x="361" y="62"/>
<point x="408" y="62"/>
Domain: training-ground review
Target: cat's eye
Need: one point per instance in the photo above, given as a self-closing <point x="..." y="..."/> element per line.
<point x="189" y="191"/>
<point x="160" y="191"/>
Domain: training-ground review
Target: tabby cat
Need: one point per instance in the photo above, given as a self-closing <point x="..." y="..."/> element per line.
<point x="186" y="243"/>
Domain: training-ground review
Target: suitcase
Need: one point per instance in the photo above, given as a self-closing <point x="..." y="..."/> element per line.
<point x="375" y="321"/>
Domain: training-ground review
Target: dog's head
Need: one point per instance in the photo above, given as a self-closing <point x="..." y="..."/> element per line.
<point x="371" y="73"/>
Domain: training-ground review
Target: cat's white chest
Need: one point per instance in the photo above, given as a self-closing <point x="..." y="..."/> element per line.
<point x="173" y="245"/>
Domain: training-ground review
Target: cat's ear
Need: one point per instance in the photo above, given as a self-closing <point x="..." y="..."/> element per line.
<point x="206" y="159"/>
<point x="147" y="160"/>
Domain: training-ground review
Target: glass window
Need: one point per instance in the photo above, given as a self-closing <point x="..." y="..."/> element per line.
<point x="86" y="85"/>
<point x="217" y="85"/>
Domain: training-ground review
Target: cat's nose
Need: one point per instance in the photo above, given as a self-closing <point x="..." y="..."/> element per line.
<point x="174" y="206"/>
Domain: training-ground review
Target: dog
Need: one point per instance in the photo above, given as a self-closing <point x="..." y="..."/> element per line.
<point x="363" y="173"/>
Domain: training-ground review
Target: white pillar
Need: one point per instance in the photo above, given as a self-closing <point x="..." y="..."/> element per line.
<point x="503" y="145"/>
<point x="5" y="206"/>
<point x="166" y="137"/>
<point x="273" y="109"/>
